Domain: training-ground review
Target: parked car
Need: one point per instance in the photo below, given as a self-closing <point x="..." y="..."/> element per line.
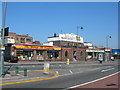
<point x="11" y="59"/>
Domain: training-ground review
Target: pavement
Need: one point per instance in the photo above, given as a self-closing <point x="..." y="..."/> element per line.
<point x="111" y="82"/>
<point x="108" y="82"/>
<point x="53" y="62"/>
<point x="34" y="75"/>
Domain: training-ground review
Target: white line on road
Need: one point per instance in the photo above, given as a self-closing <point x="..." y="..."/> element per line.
<point x="70" y="71"/>
<point x="108" y="66"/>
<point x="107" y="70"/>
<point x="60" y="65"/>
<point x="93" y="80"/>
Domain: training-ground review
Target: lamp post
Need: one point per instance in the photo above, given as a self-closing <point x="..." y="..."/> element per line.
<point x="78" y="27"/>
<point x="107" y="40"/>
<point x="3" y="40"/>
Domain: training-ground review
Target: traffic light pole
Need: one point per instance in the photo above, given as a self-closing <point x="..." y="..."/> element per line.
<point x="3" y="40"/>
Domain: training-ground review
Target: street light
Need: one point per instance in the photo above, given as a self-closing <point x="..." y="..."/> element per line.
<point x="78" y="27"/>
<point x="107" y="40"/>
<point x="3" y="40"/>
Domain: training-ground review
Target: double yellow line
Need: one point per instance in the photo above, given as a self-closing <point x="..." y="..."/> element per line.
<point x="55" y="76"/>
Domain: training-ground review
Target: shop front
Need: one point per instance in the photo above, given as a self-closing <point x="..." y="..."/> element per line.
<point x="93" y="54"/>
<point x="24" y="54"/>
<point x="36" y="52"/>
<point x="53" y="55"/>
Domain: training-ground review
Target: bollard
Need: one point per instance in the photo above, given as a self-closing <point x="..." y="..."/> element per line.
<point x="25" y="72"/>
<point x="46" y="68"/>
<point x="17" y="70"/>
<point x="68" y="61"/>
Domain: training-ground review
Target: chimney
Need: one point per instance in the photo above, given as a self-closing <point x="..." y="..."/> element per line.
<point x="54" y="34"/>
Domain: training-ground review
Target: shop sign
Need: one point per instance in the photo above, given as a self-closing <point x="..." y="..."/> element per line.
<point x="37" y="47"/>
<point x="11" y="40"/>
<point x="77" y="38"/>
<point x="70" y="37"/>
<point x="67" y="36"/>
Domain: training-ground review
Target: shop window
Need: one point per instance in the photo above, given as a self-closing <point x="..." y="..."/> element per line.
<point x="50" y="54"/>
<point x="66" y="54"/>
<point x="56" y="54"/>
<point x="24" y="55"/>
<point x="53" y="55"/>
<point x="39" y="53"/>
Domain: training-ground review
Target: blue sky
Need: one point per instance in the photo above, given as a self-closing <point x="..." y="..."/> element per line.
<point x="42" y="19"/>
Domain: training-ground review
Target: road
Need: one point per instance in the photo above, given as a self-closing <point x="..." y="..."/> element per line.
<point x="71" y="75"/>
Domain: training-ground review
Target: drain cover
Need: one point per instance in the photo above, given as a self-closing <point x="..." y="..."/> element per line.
<point x="111" y="84"/>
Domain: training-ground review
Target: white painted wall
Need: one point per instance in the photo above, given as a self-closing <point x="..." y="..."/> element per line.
<point x="66" y="37"/>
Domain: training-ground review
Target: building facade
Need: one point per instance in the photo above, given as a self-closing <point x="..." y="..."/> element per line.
<point x="19" y="38"/>
<point x="58" y="48"/>
<point x="71" y="46"/>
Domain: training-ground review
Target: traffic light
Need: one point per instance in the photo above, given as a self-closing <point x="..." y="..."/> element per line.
<point x="6" y="31"/>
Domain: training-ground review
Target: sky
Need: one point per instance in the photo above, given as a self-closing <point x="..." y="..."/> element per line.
<point x="41" y="20"/>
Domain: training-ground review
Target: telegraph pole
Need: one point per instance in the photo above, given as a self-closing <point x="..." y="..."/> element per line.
<point x="3" y="39"/>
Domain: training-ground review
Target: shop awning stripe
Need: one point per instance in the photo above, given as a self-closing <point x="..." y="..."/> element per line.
<point x="36" y="47"/>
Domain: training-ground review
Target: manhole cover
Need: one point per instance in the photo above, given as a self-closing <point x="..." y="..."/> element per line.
<point x="111" y="84"/>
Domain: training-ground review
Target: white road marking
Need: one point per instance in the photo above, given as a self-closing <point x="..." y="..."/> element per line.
<point x="65" y="74"/>
<point x="94" y="80"/>
<point x="108" y="66"/>
<point x="70" y="71"/>
<point x="60" y="65"/>
<point x="107" y="70"/>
